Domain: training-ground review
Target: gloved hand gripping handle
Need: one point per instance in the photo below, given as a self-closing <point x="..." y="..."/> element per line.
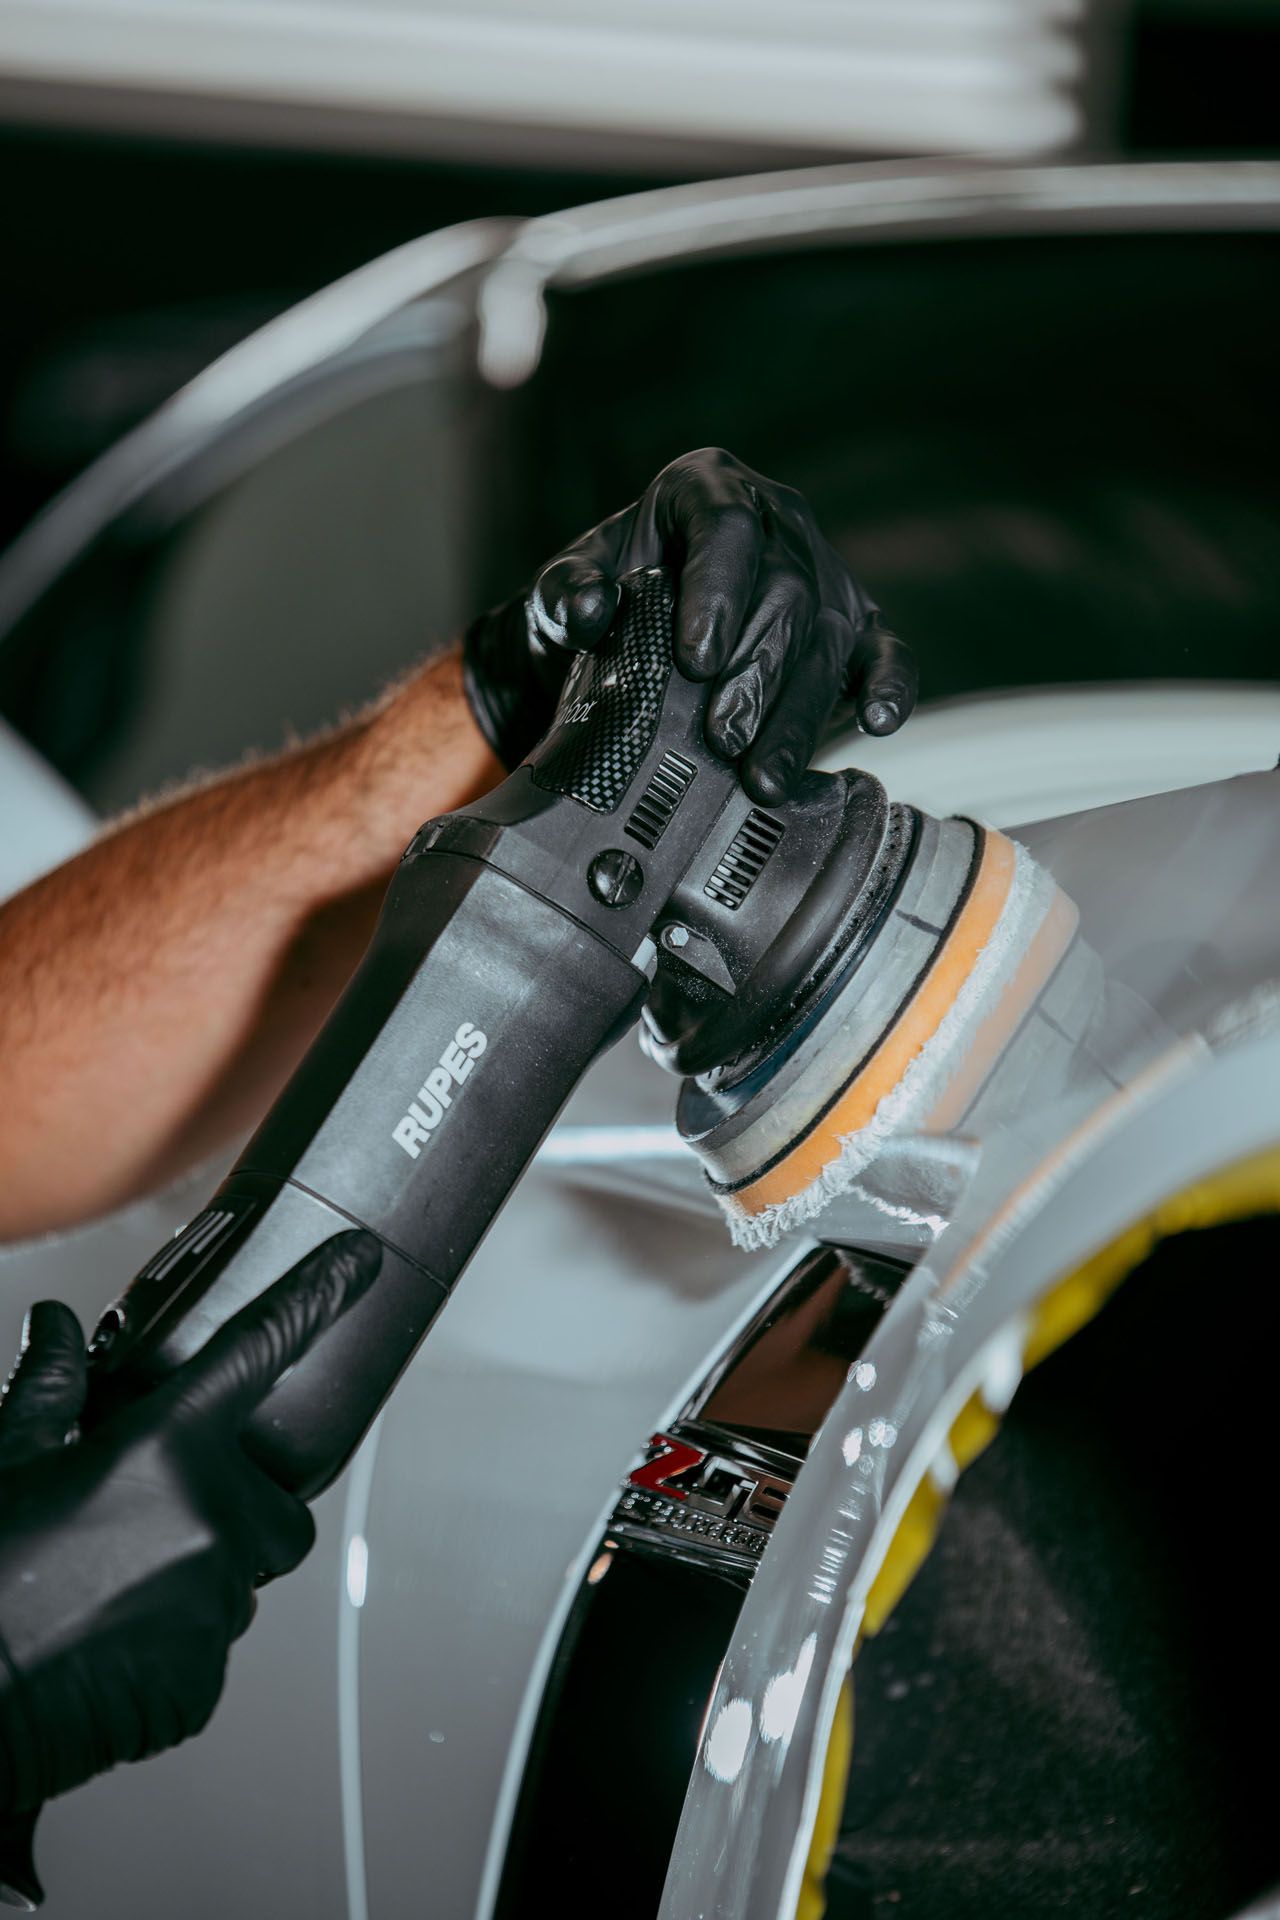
<point x="510" y="951"/>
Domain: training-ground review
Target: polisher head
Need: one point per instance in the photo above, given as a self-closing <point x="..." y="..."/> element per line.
<point x="904" y="1034"/>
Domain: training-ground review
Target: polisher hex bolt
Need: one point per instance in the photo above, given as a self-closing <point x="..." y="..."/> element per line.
<point x="675" y="937"/>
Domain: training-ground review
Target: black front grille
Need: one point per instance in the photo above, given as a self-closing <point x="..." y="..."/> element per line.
<point x="743" y="860"/>
<point x="658" y="802"/>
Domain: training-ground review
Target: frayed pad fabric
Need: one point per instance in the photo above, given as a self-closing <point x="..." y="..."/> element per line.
<point x="909" y="1104"/>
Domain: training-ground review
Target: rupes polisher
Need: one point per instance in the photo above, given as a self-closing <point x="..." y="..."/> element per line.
<point x="820" y="973"/>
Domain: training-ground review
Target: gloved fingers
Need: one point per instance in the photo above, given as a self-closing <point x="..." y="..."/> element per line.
<point x="245" y="1358"/>
<point x="167" y="1717"/>
<point x="776" y="635"/>
<point x="179" y="1684"/>
<point x="281" y="1530"/>
<point x="883" y="679"/>
<point x="706" y="522"/>
<point x="713" y="531"/>
<point x="199" y="1700"/>
<point x="575" y="596"/>
<point x="44" y="1395"/>
<point x="149" y="1698"/>
<point x="785" y="744"/>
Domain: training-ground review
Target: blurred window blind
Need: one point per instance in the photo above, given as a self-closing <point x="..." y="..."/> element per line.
<point x="821" y="75"/>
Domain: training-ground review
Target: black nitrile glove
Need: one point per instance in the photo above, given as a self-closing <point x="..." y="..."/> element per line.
<point x="764" y="606"/>
<point x="128" y="1557"/>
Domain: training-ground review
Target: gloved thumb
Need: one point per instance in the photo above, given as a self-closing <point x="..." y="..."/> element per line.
<point x="44" y="1395"/>
<point x="573" y="601"/>
<point x="242" y="1361"/>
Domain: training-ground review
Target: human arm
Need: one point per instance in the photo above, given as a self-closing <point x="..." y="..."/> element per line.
<point x="156" y="992"/>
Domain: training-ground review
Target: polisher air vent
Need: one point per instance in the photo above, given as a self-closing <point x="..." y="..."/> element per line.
<point x="743" y="860"/>
<point x="658" y="802"/>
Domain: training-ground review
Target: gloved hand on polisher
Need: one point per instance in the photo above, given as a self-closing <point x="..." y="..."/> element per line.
<point x="764" y="606"/>
<point x="128" y="1557"/>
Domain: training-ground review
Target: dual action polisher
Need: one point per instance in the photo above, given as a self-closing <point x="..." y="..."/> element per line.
<point x="821" y="974"/>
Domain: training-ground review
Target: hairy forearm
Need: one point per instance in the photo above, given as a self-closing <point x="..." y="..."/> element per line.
<point x="156" y="991"/>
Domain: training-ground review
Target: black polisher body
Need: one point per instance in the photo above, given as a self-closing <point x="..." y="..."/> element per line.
<point x="622" y="868"/>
